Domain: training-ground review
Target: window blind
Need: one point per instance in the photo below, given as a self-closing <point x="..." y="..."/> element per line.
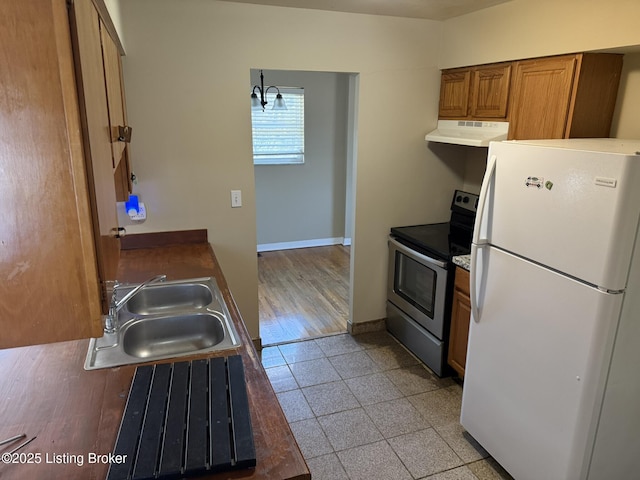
<point x="278" y="135"/>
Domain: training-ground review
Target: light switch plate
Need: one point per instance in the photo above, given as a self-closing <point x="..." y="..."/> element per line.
<point x="236" y="198"/>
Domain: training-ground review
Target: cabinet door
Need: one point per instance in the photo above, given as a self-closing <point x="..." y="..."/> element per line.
<point x="490" y="91"/>
<point x="595" y="95"/>
<point x="49" y="290"/>
<point x="111" y="60"/>
<point x="96" y="133"/>
<point x="460" y="318"/>
<point x="117" y="113"/>
<point x="454" y="93"/>
<point x="541" y="97"/>
<point x="122" y="177"/>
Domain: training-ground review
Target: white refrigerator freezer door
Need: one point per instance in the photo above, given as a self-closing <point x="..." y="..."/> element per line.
<point x="575" y="211"/>
<point x="536" y="366"/>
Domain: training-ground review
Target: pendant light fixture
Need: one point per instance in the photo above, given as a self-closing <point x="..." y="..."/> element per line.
<point x="259" y="103"/>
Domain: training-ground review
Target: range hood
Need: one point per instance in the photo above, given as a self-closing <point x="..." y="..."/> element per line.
<point x="468" y="132"/>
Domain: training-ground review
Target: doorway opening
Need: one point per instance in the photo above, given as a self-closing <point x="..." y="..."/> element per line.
<point x="304" y="214"/>
<point x="303" y="293"/>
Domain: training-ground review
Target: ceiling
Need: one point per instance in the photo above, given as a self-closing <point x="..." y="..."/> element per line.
<point x="429" y="9"/>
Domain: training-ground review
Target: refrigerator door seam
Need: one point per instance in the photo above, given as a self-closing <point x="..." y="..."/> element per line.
<point x="559" y="272"/>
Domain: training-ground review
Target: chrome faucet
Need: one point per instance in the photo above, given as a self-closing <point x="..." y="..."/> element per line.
<point x="110" y="322"/>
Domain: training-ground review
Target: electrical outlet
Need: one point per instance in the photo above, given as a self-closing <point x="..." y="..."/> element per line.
<point x="236" y="198"/>
<point x="141" y="215"/>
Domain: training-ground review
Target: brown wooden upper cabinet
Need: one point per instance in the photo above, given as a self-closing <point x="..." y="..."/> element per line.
<point x="57" y="193"/>
<point x="115" y="99"/>
<point x="454" y="93"/>
<point x="568" y="96"/>
<point x="480" y="92"/>
<point x="94" y="113"/>
<point x="117" y="113"/>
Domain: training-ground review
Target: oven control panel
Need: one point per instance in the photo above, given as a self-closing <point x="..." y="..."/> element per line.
<point x="465" y="201"/>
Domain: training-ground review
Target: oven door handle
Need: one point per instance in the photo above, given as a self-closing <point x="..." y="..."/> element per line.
<point x="417" y="255"/>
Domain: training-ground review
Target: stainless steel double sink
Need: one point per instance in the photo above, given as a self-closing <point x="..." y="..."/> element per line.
<point x="165" y="320"/>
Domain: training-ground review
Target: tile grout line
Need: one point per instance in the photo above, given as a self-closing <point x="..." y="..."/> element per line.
<point x="380" y="369"/>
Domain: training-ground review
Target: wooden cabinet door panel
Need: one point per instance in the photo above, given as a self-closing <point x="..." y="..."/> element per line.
<point x="490" y="91"/>
<point x="96" y="133"/>
<point x="541" y="98"/>
<point x="122" y="177"/>
<point x="460" y="318"/>
<point x="49" y="290"/>
<point x="454" y="93"/>
<point x="111" y="60"/>
<point x="595" y="97"/>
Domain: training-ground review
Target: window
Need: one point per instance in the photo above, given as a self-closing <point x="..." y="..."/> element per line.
<point x="278" y="135"/>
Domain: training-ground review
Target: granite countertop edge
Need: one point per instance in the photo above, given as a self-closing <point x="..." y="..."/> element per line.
<point x="463" y="261"/>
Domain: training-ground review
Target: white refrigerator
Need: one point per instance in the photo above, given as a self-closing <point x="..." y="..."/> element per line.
<point x="552" y="380"/>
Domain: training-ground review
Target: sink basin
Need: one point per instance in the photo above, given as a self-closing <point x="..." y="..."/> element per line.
<point x="150" y="338"/>
<point x="166" y="320"/>
<point x="166" y="297"/>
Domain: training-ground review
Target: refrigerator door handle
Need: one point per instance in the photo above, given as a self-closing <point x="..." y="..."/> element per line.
<point x="473" y="286"/>
<point x="482" y="201"/>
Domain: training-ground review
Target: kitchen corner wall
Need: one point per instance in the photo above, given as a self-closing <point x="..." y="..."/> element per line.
<point x="186" y="77"/>
<point x="475" y="168"/>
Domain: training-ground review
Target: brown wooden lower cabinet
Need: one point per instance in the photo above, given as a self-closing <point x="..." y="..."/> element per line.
<point x="460" y="318"/>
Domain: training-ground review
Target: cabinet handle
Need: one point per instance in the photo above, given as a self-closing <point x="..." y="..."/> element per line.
<point x="124" y="133"/>
<point x="118" y="232"/>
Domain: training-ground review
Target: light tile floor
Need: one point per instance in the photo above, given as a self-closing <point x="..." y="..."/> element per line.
<point x="362" y="407"/>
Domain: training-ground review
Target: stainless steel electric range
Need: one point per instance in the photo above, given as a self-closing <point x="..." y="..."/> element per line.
<point x="420" y="281"/>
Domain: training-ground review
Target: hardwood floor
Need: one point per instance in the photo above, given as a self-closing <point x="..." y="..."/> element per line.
<point x="303" y="293"/>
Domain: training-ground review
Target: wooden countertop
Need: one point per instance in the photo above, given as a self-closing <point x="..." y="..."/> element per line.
<point x="45" y="392"/>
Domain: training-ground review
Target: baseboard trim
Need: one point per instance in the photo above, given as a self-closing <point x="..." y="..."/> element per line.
<point x="366" y="327"/>
<point x="317" y="242"/>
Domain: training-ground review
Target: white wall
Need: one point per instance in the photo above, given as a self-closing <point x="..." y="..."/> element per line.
<point x="306" y="202"/>
<point x="536" y="28"/>
<point x="626" y="118"/>
<point x="186" y="79"/>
